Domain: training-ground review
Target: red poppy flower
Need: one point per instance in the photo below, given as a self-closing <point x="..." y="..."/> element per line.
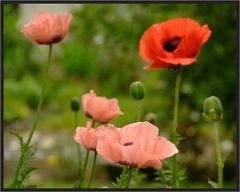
<point x="172" y="43"/>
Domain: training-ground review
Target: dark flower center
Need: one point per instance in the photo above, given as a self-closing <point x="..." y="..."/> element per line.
<point x="171" y="45"/>
<point x="127" y="163"/>
<point x="56" y="38"/>
<point x="128" y="143"/>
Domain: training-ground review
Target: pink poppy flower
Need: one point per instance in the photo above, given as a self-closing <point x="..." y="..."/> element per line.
<point x="100" y="109"/>
<point x="138" y="145"/>
<point x="47" y="28"/>
<point x="88" y="136"/>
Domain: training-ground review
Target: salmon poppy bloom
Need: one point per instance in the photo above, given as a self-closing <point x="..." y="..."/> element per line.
<point x="100" y="109"/>
<point x="173" y="42"/>
<point x="47" y="28"/>
<point x="88" y="136"/>
<point x="138" y="145"/>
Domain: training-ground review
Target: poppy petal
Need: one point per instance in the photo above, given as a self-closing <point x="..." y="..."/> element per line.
<point x="178" y="27"/>
<point x="173" y="42"/>
<point x="157" y="64"/>
<point x="205" y="33"/>
<point x="133" y="156"/>
<point x="147" y="49"/>
<point x="179" y="61"/>
<point x="164" y="149"/>
<point x="109" y="149"/>
<point x="132" y="132"/>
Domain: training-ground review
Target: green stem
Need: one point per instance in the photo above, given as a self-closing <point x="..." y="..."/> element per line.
<point x="175" y="125"/>
<point x="139" y="110"/>
<point x="122" y="176"/>
<point x="84" y="169"/>
<point x="139" y="118"/>
<point x="41" y="96"/>
<point x="78" y="150"/>
<point x="176" y="100"/>
<point x="93" y="169"/>
<point x="19" y="166"/>
<point x="78" y="146"/>
<point x="218" y="154"/>
<point x="85" y="161"/>
<point x="130" y="169"/>
<point x="23" y="151"/>
<point x="174" y="172"/>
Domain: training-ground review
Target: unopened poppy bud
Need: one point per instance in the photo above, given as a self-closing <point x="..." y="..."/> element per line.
<point x="137" y="90"/>
<point x="212" y="109"/>
<point x="75" y="104"/>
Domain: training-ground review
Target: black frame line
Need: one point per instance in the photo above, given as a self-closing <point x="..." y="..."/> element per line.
<point x="3" y="2"/>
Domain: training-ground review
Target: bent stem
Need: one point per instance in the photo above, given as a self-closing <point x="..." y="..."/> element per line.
<point x="41" y="97"/>
<point x="21" y="161"/>
<point x="175" y="125"/>
<point x="93" y="169"/>
<point x="218" y="155"/>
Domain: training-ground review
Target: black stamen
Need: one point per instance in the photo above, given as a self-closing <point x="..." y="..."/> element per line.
<point x="56" y="38"/>
<point x="171" y="45"/>
<point x="127" y="163"/>
<point x="128" y="143"/>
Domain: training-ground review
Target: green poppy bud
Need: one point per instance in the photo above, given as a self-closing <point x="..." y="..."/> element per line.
<point x="75" y="104"/>
<point x="137" y="90"/>
<point x="212" y="109"/>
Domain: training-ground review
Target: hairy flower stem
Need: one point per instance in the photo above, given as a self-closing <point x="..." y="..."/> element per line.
<point x="122" y="176"/>
<point x="218" y="155"/>
<point x="41" y="97"/>
<point x="85" y="162"/>
<point x="175" y="125"/>
<point x="27" y="144"/>
<point x="81" y="178"/>
<point x="78" y="147"/>
<point x="139" y="118"/>
<point x="129" y="175"/>
<point x="93" y="169"/>
<point x="176" y="100"/>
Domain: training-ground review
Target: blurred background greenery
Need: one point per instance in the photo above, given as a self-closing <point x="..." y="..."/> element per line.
<point x="101" y="53"/>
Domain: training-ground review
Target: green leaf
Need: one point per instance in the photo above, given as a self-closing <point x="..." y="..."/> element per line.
<point x="137" y="178"/>
<point x="29" y="153"/>
<point x="213" y="184"/>
<point x="20" y="138"/>
<point x="120" y="180"/>
<point x="26" y="172"/>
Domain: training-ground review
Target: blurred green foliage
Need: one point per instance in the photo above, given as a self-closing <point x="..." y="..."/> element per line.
<point x="101" y="53"/>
